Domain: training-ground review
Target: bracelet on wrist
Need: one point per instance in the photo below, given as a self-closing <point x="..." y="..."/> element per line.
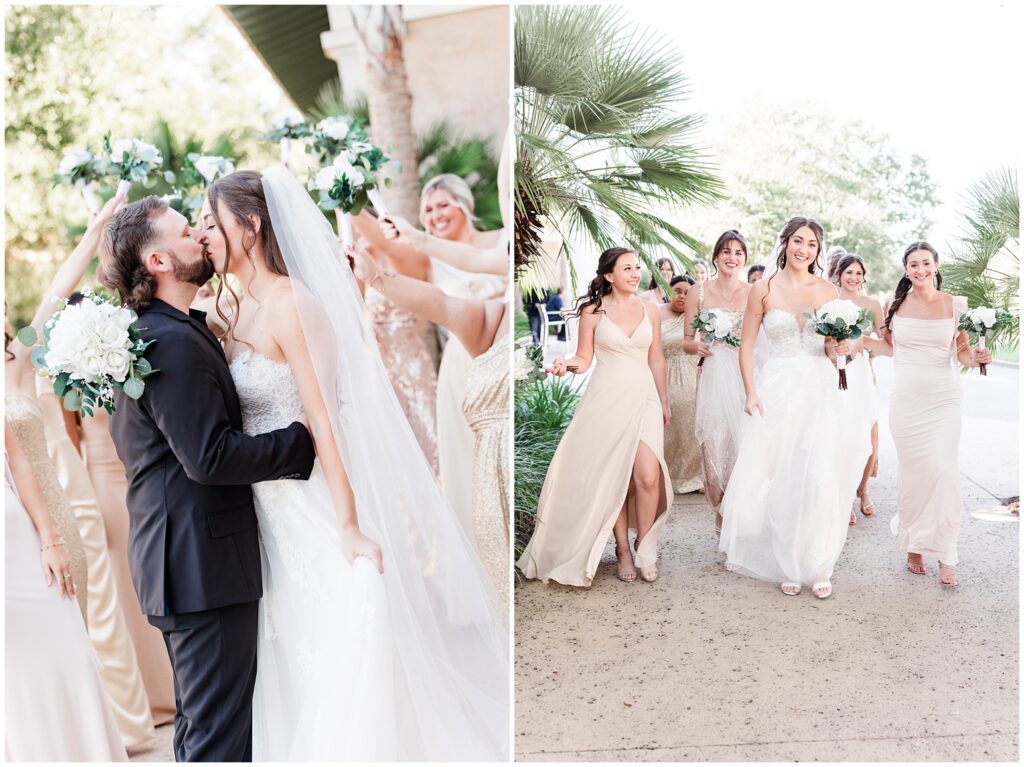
<point x="60" y="542"/>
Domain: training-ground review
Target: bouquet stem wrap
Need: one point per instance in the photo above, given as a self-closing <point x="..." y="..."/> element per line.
<point x="700" y="363"/>
<point x="345" y="227"/>
<point x="91" y="203"/>
<point x="982" y="368"/>
<point x="285" y="145"/>
<point x="123" y="186"/>
<point x="841" y="364"/>
<point x="378" y="202"/>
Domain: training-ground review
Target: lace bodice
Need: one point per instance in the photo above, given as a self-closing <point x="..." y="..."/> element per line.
<point x="267" y="391"/>
<point x="786" y="339"/>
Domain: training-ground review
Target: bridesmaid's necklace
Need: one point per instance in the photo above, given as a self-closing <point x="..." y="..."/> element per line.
<point x="730" y="299"/>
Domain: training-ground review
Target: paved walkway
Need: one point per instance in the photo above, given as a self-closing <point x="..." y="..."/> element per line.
<point x="709" y="665"/>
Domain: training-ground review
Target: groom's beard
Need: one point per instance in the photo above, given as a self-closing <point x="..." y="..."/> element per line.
<point x="198" y="273"/>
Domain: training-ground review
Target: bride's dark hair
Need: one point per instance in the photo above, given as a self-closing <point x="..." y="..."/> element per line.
<point x="782" y="244"/>
<point x="243" y="197"/>
<point x="599" y="287"/>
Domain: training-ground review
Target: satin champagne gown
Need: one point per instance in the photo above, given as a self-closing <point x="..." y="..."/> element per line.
<point x="588" y="480"/>
<point x="486" y="409"/>
<point x="455" y="440"/>
<point x="26" y="419"/>
<point x="924" y="418"/>
<point x="720" y="400"/>
<point x="108" y="481"/>
<point x="56" y="709"/>
<point x="108" y="631"/>
<point x="410" y="368"/>
<point x="682" y="453"/>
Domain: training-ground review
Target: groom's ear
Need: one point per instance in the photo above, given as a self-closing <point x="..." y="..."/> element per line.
<point x="155" y="260"/>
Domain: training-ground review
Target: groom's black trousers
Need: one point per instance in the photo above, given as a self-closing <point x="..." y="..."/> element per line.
<point x="213" y="654"/>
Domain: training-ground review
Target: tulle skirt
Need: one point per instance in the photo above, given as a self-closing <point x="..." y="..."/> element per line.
<point x="720" y="400"/>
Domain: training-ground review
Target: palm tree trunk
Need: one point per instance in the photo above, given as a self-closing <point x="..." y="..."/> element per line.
<point x="380" y="30"/>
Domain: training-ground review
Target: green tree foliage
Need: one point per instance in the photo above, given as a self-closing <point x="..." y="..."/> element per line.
<point x="601" y="143"/>
<point x="984" y="264"/>
<point x="782" y="162"/>
<point x="75" y="73"/>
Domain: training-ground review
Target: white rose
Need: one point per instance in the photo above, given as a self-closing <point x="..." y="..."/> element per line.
<point x="523" y="365"/>
<point x="984" y="315"/>
<point x="147" y="153"/>
<point x="111" y="335"/>
<point x="359" y="147"/>
<point x="209" y="166"/>
<point x="722" y="324"/>
<point x="344" y="168"/>
<point x="121" y="147"/>
<point x="842" y="309"/>
<point x="325" y="178"/>
<point x="117" y="364"/>
<point x="91" y="367"/>
<point x="72" y="160"/>
<point x="334" y="127"/>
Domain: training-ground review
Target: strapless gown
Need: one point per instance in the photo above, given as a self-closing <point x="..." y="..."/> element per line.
<point x="787" y="508"/>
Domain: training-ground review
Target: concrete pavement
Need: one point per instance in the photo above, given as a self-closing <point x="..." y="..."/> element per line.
<point x="709" y="665"/>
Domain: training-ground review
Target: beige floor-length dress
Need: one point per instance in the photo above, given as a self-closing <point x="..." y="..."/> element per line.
<point x="682" y="453"/>
<point x="56" y="709"/>
<point x="108" y="630"/>
<point x="108" y="480"/>
<point x="589" y="476"/>
<point x="924" y="418"/>
<point x="486" y="409"/>
<point x="455" y="440"/>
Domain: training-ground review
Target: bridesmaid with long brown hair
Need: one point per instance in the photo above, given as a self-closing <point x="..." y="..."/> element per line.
<point x="920" y="333"/>
<point x="720" y="394"/>
<point x="609" y="473"/>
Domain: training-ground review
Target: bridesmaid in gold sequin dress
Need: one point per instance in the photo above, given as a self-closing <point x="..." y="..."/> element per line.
<point x="720" y="394"/>
<point x="682" y="453"/>
<point x="410" y="367"/>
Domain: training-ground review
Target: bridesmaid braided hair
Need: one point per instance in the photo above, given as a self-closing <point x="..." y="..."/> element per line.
<point x="599" y="287"/>
<point x="904" y="285"/>
<point x="788" y="231"/>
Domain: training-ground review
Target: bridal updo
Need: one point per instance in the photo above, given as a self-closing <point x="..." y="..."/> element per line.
<point x="782" y="244"/>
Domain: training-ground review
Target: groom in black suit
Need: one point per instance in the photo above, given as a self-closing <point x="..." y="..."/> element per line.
<point x="193" y="547"/>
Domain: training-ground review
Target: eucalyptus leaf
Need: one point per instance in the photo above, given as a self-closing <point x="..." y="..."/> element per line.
<point x="134" y="387"/>
<point x="73" y="400"/>
<point x="27" y="336"/>
<point x="38" y="357"/>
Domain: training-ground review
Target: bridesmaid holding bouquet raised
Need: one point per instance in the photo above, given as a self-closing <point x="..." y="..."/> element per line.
<point x="609" y="473"/>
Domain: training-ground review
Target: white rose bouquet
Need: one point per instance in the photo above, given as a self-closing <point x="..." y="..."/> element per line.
<point x="286" y="128"/>
<point x="842" y="320"/>
<point x="350" y="181"/>
<point x="981" y="322"/>
<point x="132" y="160"/>
<point x="528" y="363"/>
<point x="717" y="327"/>
<point x="89" y="349"/>
<point x="80" y="167"/>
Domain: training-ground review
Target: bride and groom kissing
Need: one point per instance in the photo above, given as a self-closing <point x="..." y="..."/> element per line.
<point x="254" y="536"/>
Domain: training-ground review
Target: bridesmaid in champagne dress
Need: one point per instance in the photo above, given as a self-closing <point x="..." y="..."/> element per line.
<point x="108" y="631"/>
<point x="108" y="479"/>
<point x="920" y="333"/>
<point x="682" y="453"/>
<point x="56" y="709"/>
<point x="486" y="410"/>
<point x="609" y="472"/>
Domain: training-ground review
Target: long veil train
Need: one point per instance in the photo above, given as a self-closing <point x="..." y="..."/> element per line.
<point x="450" y="649"/>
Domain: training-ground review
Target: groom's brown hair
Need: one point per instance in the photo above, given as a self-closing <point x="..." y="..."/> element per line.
<point x="124" y="239"/>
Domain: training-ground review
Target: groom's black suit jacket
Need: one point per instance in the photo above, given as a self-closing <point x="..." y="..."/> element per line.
<point x="192" y="539"/>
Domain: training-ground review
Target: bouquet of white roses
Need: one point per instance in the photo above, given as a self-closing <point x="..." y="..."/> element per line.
<point x="197" y="172"/>
<point x="132" y="160"/>
<point x="529" y="362"/>
<point x="842" y="320"/>
<point x="980" y="322"/>
<point x="349" y="182"/>
<point x="80" y="167"/>
<point x="284" y="130"/>
<point x="715" y="326"/>
<point x="89" y="349"/>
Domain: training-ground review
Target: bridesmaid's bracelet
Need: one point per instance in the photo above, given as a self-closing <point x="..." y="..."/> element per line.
<point x="52" y="545"/>
<point x="385" y="272"/>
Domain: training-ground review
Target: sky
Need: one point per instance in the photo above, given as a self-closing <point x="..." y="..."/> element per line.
<point x="935" y="76"/>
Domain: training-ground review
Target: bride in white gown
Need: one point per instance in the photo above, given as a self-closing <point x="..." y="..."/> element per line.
<point x="366" y="652"/>
<point x="802" y="448"/>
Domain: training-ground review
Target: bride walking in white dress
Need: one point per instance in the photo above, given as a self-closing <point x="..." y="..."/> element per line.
<point x="800" y="455"/>
<point x="377" y="641"/>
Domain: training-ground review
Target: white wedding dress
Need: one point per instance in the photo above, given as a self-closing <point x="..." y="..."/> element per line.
<point x="787" y="507"/>
<point x="352" y="665"/>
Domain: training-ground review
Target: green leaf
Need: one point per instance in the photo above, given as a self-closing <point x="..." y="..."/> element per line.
<point x="61" y="384"/>
<point x="38" y="357"/>
<point x="142" y="367"/>
<point x="134" y="387"/>
<point x="27" y="336"/>
<point x="73" y="400"/>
